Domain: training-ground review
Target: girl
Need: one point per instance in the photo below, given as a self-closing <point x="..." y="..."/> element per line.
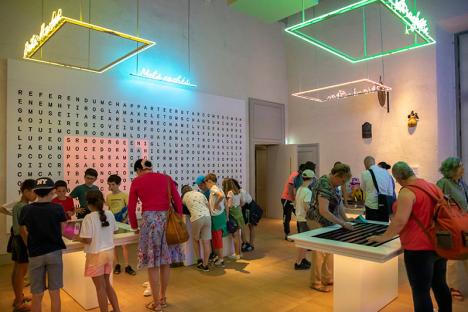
<point x="97" y="233"/>
<point x="234" y="203"/>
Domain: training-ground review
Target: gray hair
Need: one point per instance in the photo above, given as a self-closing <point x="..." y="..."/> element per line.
<point x="369" y="161"/>
<point x="402" y="171"/>
<point x="449" y="167"/>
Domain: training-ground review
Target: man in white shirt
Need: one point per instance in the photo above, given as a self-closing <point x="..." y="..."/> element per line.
<point x="385" y="186"/>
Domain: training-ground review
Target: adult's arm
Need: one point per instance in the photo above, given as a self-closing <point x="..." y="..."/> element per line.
<point x="24" y="234"/>
<point x="5" y="211"/>
<point x="324" y="212"/>
<point x="405" y="202"/>
<point x="175" y="198"/>
<point x="132" y="202"/>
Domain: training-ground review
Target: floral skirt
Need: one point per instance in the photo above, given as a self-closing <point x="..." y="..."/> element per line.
<point x="153" y="250"/>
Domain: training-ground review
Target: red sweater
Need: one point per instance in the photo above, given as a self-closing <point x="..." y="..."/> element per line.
<point x="152" y="190"/>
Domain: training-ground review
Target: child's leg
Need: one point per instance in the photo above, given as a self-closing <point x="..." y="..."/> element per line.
<point x="37" y="302"/>
<point x="206" y="251"/>
<point x="19" y="271"/>
<point x="116" y="255"/>
<point x="111" y="294"/>
<point x="237" y="245"/>
<point x="252" y="234"/>
<point x="300" y="255"/>
<point x="55" y="303"/>
<point x="100" y="284"/>
<point x="125" y="254"/>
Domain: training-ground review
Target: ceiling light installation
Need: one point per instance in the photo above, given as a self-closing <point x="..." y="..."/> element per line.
<point x="57" y="22"/>
<point x="155" y="75"/>
<point x="413" y="24"/>
<point x="342" y="90"/>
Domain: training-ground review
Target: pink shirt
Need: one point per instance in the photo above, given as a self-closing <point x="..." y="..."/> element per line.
<point x="152" y="190"/>
<point x="412" y="237"/>
<point x="286" y="194"/>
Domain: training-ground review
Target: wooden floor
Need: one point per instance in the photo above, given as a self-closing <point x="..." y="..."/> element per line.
<point x="264" y="281"/>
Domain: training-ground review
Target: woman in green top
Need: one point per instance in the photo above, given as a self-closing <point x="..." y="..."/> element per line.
<point x="454" y="187"/>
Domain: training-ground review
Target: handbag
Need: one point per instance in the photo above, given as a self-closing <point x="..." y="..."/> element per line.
<point x="385" y="202"/>
<point x="231" y="225"/>
<point x="176" y="231"/>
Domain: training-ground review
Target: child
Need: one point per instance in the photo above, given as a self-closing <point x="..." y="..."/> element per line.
<point x="117" y="202"/>
<point x="302" y="205"/>
<point x="97" y="233"/>
<point x="246" y="198"/>
<point x="233" y="210"/>
<point x="62" y="199"/>
<point x="218" y="217"/>
<point x="18" y="249"/>
<point x="80" y="191"/>
<point x="41" y="227"/>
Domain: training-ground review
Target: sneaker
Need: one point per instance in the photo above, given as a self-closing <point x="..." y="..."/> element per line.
<point x="117" y="269"/>
<point x="219" y="263"/>
<point x="203" y="268"/>
<point x="129" y="270"/>
<point x="234" y="257"/>
<point x="248" y="247"/>
<point x="199" y="261"/>
<point x="145" y="285"/>
<point x="147" y="292"/>
<point x="213" y="259"/>
<point x="300" y="266"/>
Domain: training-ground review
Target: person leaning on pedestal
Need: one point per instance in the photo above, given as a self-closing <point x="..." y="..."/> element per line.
<point x="425" y="269"/>
<point x="327" y="209"/>
<point x="455" y="188"/>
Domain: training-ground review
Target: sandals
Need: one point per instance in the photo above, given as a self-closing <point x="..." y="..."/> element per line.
<point x="153" y="307"/>
<point x="324" y="289"/>
<point x="163" y="302"/>
<point x="456" y="294"/>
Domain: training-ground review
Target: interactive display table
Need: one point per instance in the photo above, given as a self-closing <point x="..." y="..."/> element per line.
<point x="365" y="274"/>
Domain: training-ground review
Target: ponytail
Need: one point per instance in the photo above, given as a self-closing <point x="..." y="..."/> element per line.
<point x="96" y="199"/>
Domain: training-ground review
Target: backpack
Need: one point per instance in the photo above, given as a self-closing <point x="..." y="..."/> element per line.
<point x="449" y="228"/>
<point x="255" y="213"/>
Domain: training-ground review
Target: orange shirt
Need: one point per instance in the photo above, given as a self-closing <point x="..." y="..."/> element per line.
<point x="290" y="181"/>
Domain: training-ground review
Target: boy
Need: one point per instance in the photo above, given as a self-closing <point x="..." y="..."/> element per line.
<point x="302" y="205"/>
<point x="18" y="249"/>
<point x="41" y="226"/>
<point x="117" y="202"/>
<point x="218" y="217"/>
<point x="80" y="191"/>
<point x="62" y="199"/>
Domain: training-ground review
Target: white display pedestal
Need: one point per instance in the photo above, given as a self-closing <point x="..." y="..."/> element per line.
<point x="363" y="286"/>
<point x="79" y="287"/>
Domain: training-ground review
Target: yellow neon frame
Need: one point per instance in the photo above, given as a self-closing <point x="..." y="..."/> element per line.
<point x="63" y="20"/>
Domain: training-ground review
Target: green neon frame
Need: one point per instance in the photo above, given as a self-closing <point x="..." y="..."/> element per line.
<point x="295" y="30"/>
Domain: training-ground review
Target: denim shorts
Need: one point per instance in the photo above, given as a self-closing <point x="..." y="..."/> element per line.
<point x="49" y="264"/>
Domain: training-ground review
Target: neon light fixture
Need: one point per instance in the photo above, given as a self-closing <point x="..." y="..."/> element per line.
<point x="342" y="90"/>
<point x="58" y="21"/>
<point x="155" y="75"/>
<point x="413" y="24"/>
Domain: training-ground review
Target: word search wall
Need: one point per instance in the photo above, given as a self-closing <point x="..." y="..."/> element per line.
<point x="61" y="122"/>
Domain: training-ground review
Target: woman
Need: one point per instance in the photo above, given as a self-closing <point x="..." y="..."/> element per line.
<point x="454" y="187"/>
<point x="234" y="202"/>
<point x="425" y="269"/>
<point x="327" y="209"/>
<point x="156" y="192"/>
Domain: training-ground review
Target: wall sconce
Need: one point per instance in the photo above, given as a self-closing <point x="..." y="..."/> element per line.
<point x="413" y="119"/>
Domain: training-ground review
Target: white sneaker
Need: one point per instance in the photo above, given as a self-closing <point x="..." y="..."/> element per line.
<point x="147" y="292"/>
<point x="234" y="257"/>
<point x="219" y="263"/>
<point x="145" y="285"/>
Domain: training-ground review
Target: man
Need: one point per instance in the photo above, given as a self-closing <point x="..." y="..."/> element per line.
<point x="287" y="199"/>
<point x="375" y="181"/>
<point x="425" y="269"/>
<point x="200" y="182"/>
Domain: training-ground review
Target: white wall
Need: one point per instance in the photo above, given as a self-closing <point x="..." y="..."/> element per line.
<point x="422" y="80"/>
<point x="232" y="55"/>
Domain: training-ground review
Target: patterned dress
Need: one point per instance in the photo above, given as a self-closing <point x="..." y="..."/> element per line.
<point x="324" y="189"/>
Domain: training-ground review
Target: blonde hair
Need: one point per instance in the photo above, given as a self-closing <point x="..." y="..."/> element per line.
<point x="230" y="185"/>
<point x="341" y="170"/>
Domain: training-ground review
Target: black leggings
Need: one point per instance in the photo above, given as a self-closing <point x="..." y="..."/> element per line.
<point x="427" y="270"/>
<point x="288" y="210"/>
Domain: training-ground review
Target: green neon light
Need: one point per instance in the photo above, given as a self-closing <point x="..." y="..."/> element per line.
<point x="412" y="22"/>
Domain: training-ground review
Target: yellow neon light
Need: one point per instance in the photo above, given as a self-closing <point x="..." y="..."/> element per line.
<point x="341" y="94"/>
<point x="56" y="23"/>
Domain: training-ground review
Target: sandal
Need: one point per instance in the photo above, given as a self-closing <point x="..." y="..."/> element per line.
<point x="152" y="307"/>
<point x="324" y="289"/>
<point x="456" y="294"/>
<point x="22" y="308"/>
<point x="163" y="302"/>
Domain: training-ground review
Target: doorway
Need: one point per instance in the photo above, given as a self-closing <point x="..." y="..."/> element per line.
<point x="273" y="165"/>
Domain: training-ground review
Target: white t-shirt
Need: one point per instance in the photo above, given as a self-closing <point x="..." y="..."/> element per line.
<point x="213" y="198"/>
<point x="102" y="237"/>
<point x="384" y="182"/>
<point x="197" y="204"/>
<point x="303" y="199"/>
<point x="246" y="197"/>
<point x="236" y="199"/>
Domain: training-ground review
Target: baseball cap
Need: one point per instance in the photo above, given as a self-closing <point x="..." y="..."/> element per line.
<point x="199" y="180"/>
<point x="384" y="165"/>
<point x="44" y="184"/>
<point x="308" y="174"/>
